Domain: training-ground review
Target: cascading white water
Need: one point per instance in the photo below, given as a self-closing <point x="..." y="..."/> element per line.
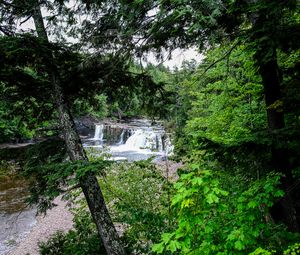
<point x="131" y="142"/>
<point x="136" y="141"/>
<point x="143" y="139"/>
<point x="99" y="132"/>
<point x="121" y="140"/>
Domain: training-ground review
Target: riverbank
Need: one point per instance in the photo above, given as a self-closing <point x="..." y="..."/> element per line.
<point x="132" y="141"/>
<point x="60" y="219"/>
<point x="57" y="219"/>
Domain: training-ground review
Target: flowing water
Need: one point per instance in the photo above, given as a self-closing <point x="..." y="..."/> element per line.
<point x="16" y="219"/>
<point x="131" y="141"/>
<point x="136" y="140"/>
<point x="99" y="132"/>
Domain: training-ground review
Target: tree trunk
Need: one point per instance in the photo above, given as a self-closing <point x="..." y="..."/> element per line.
<point x="266" y="60"/>
<point x="284" y="210"/>
<point x="269" y="72"/>
<point x="89" y="182"/>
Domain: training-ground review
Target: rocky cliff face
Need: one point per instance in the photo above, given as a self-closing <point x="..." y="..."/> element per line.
<point x="86" y="125"/>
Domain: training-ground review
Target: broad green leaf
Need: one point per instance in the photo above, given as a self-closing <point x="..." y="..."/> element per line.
<point x="212" y="198"/>
<point x="173" y="245"/>
<point x="239" y="245"/>
<point x="158" y="248"/>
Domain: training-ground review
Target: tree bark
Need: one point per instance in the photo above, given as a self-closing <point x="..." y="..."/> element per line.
<point x="269" y="72"/>
<point x="266" y="60"/>
<point x="89" y="183"/>
<point x="284" y="210"/>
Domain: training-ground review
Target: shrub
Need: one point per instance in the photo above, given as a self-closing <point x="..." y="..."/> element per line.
<point x="222" y="214"/>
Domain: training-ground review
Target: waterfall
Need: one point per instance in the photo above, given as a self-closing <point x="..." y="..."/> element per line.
<point x="121" y="141"/>
<point x="159" y="143"/>
<point x="144" y="139"/>
<point x="136" y="140"/>
<point x="131" y="142"/>
<point x="99" y="132"/>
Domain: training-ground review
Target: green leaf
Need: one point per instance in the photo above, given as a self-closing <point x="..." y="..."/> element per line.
<point x="173" y="246"/>
<point x="279" y="193"/>
<point x="197" y="180"/>
<point x="187" y="203"/>
<point x="212" y="198"/>
<point x="252" y="204"/>
<point x="166" y="237"/>
<point x="239" y="245"/>
<point x="158" y="248"/>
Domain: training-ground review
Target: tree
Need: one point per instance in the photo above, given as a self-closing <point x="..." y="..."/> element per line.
<point x="265" y="27"/>
<point x="261" y="25"/>
<point x="88" y="182"/>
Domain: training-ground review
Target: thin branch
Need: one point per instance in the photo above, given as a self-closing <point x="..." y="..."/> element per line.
<point x="22" y="22"/>
<point x="220" y="59"/>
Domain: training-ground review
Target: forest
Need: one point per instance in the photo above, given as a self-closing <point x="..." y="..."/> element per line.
<point x="213" y="166"/>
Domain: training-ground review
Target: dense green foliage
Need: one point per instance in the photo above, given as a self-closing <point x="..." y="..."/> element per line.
<point x="225" y="103"/>
<point x="225" y="195"/>
<point x="235" y="116"/>
<point x="221" y="214"/>
<point x="92" y="85"/>
<point x="137" y="196"/>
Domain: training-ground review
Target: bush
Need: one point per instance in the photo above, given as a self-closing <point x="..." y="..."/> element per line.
<point x="222" y="214"/>
<point x="137" y="195"/>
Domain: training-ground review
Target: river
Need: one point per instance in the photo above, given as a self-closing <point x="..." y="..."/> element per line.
<point x="16" y="219"/>
<point x="134" y="140"/>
